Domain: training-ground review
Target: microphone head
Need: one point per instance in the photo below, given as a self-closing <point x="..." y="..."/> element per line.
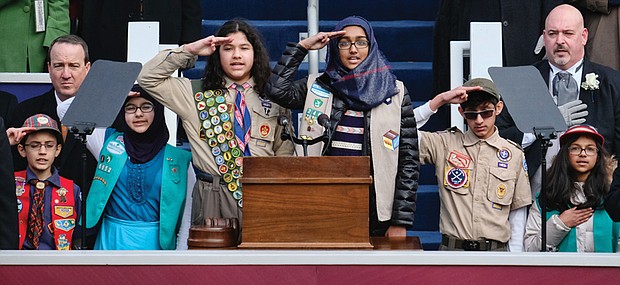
<point x="283" y="120"/>
<point x="323" y="120"/>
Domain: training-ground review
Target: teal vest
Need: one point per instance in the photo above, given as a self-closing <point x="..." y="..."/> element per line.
<point x="174" y="186"/>
<point x="605" y="233"/>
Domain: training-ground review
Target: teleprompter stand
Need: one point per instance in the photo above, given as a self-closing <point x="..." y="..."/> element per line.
<point x="96" y="104"/>
<point x="526" y="94"/>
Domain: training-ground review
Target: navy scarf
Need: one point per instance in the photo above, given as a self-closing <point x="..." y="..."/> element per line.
<point x="141" y="148"/>
<point x="371" y="82"/>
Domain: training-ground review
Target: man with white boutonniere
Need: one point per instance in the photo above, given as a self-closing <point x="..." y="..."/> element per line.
<point x="585" y="92"/>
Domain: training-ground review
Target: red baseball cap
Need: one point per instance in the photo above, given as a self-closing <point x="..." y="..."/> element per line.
<point x="579" y="130"/>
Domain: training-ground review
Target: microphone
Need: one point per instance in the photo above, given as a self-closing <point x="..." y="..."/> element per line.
<point x="323" y="120"/>
<point x="286" y="134"/>
<point x="283" y="121"/>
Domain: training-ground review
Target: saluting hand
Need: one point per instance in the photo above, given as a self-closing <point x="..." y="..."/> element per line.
<point x="319" y="40"/>
<point x="206" y="46"/>
<point x="573" y="217"/>
<point x="16" y="134"/>
<point x="457" y="95"/>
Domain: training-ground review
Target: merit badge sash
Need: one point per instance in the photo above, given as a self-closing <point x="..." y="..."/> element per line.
<point x="216" y="128"/>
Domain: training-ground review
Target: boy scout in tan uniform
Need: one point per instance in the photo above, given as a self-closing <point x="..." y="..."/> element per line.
<point x="483" y="183"/>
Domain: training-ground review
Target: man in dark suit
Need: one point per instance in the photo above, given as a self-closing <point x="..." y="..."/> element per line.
<point x="598" y="87"/>
<point x="68" y="65"/>
<point x="521" y="21"/>
<point x="9" y="232"/>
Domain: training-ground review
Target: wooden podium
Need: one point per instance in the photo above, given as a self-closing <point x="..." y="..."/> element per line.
<point x="305" y="202"/>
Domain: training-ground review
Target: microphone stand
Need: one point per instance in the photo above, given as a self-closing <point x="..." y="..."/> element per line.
<point x="303" y="142"/>
<point x="80" y="131"/>
<point x="545" y="134"/>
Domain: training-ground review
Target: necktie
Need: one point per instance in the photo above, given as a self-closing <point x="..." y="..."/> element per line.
<point x="35" y="222"/>
<point x="242" y="120"/>
<point x="565" y="88"/>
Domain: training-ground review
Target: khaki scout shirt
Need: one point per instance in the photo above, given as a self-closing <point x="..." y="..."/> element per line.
<point x="480" y="182"/>
<point x="176" y="93"/>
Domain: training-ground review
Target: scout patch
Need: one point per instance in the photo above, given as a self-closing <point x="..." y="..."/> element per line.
<point x="199" y="96"/>
<point x="264" y="130"/>
<point x="504" y="154"/>
<point x="63" y="211"/>
<point x="502" y="164"/>
<point x="266" y="104"/>
<point x="318" y="103"/>
<point x="496" y="206"/>
<point x="65" y="224"/>
<point x="501" y="191"/>
<point x="459" y="160"/>
<point x="319" y="91"/>
<point x="115" y="148"/>
<point x="98" y="178"/>
<point x="62" y="192"/>
<point x="312" y="114"/>
<point x="391" y="140"/>
<point x="456" y="177"/>
<point x="19" y="190"/>
<point x="63" y="242"/>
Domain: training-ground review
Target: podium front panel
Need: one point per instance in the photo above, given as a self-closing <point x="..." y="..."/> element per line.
<point x="306" y="202"/>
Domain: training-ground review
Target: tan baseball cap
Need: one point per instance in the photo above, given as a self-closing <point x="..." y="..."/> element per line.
<point x="487" y="86"/>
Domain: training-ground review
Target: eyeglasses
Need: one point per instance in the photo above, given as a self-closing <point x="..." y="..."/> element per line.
<point x="576" y="150"/>
<point x="145" y="108"/>
<point x="357" y="44"/>
<point x="37" y="145"/>
<point x="472" y="115"/>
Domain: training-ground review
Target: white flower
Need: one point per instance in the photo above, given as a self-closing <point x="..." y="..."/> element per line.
<point x="591" y="82"/>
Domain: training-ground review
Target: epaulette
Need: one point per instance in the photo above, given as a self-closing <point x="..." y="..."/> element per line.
<point x="451" y="130"/>
<point x="515" y="144"/>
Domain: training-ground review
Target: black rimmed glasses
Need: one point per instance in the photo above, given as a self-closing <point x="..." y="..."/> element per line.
<point x="145" y="108"/>
<point x="576" y="150"/>
<point x="358" y="44"/>
<point x="472" y="115"/>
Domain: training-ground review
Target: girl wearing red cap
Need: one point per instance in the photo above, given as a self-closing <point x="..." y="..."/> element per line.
<point x="578" y="181"/>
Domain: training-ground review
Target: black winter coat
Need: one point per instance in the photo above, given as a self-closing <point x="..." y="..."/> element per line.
<point x="292" y="94"/>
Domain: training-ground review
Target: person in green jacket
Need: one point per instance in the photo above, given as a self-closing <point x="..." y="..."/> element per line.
<point x="140" y="183"/>
<point x="26" y="33"/>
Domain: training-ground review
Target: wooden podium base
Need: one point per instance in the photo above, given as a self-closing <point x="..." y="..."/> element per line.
<point x="306" y="202"/>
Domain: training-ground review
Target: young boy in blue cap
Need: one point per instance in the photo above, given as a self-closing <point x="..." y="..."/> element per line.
<point x="48" y="205"/>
